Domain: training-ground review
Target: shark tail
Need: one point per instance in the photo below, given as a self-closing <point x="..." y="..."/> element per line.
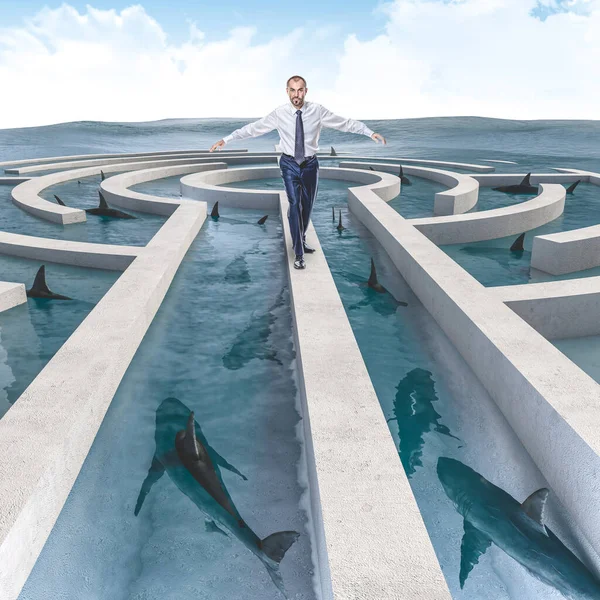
<point x="274" y="547"/>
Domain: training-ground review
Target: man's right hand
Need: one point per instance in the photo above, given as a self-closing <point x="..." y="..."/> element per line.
<point x="217" y="146"/>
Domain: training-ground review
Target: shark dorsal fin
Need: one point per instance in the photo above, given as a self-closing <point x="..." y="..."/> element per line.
<point x="215" y="210"/>
<point x="373" y="276"/>
<point x="572" y="187"/>
<point x="333" y="152"/>
<point x="102" y="174"/>
<point x="39" y="283"/>
<point x="517" y="245"/>
<point x="372" y="169"/>
<point x="401" y="172"/>
<point x="526" y="179"/>
<point x="333" y="212"/>
<point x="340" y="222"/>
<point x="190" y="444"/>
<point x="534" y="506"/>
<point x="103" y="203"/>
<point x="59" y="200"/>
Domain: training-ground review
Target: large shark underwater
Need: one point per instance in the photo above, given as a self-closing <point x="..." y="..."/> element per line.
<point x="493" y="516"/>
<point x="415" y="414"/>
<point x="183" y="452"/>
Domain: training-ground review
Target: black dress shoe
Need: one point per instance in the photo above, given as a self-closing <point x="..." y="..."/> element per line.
<point x="299" y="262"/>
<point x="308" y="249"/>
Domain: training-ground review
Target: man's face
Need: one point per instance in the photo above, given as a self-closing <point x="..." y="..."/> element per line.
<point x="296" y="91"/>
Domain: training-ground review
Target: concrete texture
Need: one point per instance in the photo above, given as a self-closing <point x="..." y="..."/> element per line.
<point x="461" y="198"/>
<point x="13" y="180"/>
<point x="498" y="179"/>
<point x="496" y="223"/>
<point x="11" y="294"/>
<point x="52" y="159"/>
<point x="568" y="251"/>
<point x="81" y="254"/>
<point x="26" y="195"/>
<point x="557" y="309"/>
<point x="50" y="429"/>
<point x="116" y="189"/>
<point x="210" y="186"/>
<point x="432" y="163"/>
<point x="369" y="535"/>
<point x="550" y="403"/>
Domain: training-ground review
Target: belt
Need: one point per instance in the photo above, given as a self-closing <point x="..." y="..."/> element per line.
<point x="293" y="158"/>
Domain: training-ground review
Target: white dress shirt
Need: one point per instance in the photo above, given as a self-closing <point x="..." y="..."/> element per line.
<point x="283" y="118"/>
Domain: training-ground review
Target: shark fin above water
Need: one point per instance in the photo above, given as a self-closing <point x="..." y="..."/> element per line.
<point x="103" y="202"/>
<point x="215" y="211"/>
<point x="474" y="544"/>
<point x="333" y="152"/>
<point x="517" y="245"/>
<point x="262" y="220"/>
<point x="59" y="200"/>
<point x="572" y="187"/>
<point x="534" y="506"/>
<point x="526" y="180"/>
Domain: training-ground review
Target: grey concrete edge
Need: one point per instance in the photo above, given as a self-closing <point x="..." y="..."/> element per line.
<point x="556" y="309"/>
<point x="86" y="370"/>
<point x="11" y="294"/>
<point x="364" y="510"/>
<point x="538" y="389"/>
<point x="569" y="251"/>
<point x="210" y="186"/>
<point x="495" y="223"/>
<point x="461" y="198"/>
<point x="82" y="254"/>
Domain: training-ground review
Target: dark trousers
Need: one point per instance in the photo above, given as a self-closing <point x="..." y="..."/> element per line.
<point x="301" y="182"/>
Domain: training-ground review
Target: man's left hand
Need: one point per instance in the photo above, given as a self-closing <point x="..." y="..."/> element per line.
<point x="376" y="138"/>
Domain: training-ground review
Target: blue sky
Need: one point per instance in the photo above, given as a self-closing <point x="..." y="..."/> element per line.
<point x="215" y="18"/>
<point x="110" y="60"/>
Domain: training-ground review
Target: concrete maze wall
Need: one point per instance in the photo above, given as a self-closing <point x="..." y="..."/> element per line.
<point x="550" y="403"/>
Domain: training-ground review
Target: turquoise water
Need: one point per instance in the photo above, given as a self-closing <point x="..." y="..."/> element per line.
<point x="434" y="404"/>
<point x="491" y="262"/>
<point x="221" y="344"/>
<point x="30" y="334"/>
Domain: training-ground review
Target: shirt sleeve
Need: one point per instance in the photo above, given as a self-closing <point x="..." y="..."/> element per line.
<point x="328" y="119"/>
<point x="254" y="129"/>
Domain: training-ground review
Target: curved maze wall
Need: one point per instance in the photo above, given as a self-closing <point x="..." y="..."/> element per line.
<point x="360" y="542"/>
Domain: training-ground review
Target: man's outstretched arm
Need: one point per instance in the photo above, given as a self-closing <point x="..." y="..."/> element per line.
<point x="253" y="129"/>
<point x="328" y="119"/>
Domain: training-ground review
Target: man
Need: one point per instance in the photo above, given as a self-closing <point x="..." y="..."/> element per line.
<point x="299" y="124"/>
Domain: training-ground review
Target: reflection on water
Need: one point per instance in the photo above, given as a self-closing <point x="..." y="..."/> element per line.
<point x="493" y="516"/>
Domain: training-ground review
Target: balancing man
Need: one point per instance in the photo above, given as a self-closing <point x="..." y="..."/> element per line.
<point x="299" y="124"/>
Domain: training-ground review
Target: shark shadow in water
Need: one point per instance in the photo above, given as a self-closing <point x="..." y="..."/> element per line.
<point x="415" y="415"/>
<point x="493" y="516"/>
<point x="194" y="466"/>
<point x="515" y="260"/>
<point x="253" y="342"/>
<point x="236" y="271"/>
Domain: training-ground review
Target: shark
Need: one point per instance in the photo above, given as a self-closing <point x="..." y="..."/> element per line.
<point x="104" y="210"/>
<point x="40" y="289"/>
<point x="415" y="415"/>
<point x="375" y="295"/>
<point x="492" y="516"/>
<point x="524" y="187"/>
<point x="183" y="452"/>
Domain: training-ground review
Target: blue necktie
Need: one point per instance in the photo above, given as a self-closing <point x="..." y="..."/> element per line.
<point x="299" y="145"/>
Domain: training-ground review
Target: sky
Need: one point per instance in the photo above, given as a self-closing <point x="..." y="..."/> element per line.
<point x="109" y="60"/>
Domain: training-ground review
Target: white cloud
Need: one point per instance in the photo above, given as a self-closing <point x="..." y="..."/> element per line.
<point x="435" y="57"/>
